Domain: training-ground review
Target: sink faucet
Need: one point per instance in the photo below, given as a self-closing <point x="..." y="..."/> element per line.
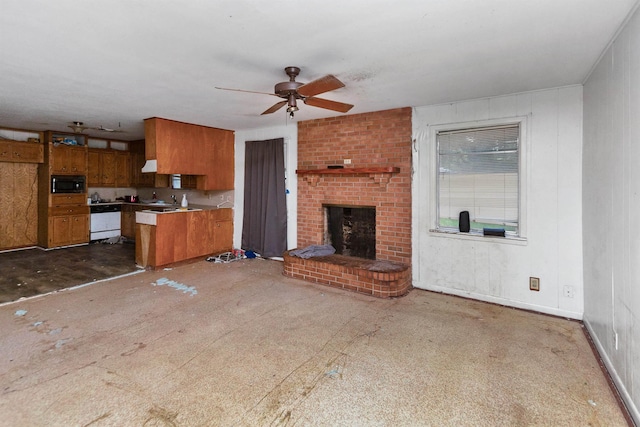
<point x="173" y="197"/>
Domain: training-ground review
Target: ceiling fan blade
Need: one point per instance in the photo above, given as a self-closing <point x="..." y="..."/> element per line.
<point x="275" y="107"/>
<point x="329" y="105"/>
<point x="321" y="85"/>
<point x="247" y="91"/>
<point x="104" y="129"/>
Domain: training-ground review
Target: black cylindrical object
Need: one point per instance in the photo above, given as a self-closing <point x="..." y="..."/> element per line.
<point x="463" y="223"/>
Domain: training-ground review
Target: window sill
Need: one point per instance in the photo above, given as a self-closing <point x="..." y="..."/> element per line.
<point x="508" y="240"/>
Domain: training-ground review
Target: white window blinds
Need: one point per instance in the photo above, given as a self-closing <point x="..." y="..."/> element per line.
<point x="479" y="173"/>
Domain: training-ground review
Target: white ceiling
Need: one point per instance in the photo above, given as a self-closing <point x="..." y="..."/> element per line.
<point x="116" y="62"/>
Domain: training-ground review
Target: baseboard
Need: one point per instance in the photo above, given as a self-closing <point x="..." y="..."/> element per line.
<point x="504" y="301"/>
<point x="622" y="390"/>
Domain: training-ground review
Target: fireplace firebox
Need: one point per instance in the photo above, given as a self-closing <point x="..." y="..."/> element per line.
<point x="351" y="230"/>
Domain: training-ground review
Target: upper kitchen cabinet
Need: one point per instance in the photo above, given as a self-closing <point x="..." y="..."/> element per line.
<point x="102" y="168"/>
<point x="123" y="169"/>
<point x="21" y="152"/>
<point x="66" y="159"/>
<point x="187" y="149"/>
<point x="67" y="153"/>
<point x="109" y="163"/>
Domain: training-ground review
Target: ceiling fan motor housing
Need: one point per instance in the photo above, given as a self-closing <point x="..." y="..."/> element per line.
<point x="285" y="89"/>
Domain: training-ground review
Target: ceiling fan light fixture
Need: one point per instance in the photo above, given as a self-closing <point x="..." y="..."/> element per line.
<point x="292" y="105"/>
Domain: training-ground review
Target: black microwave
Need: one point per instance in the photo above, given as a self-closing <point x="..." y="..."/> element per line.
<point x="68" y="184"/>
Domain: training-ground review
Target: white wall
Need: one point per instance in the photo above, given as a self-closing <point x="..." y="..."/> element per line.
<point x="498" y="270"/>
<point x="611" y="208"/>
<point x="290" y="134"/>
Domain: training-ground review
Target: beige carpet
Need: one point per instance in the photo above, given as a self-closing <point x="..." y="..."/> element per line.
<point x="239" y="344"/>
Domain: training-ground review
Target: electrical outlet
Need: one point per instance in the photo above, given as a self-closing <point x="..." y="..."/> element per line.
<point x="534" y="283"/>
<point x="567" y="291"/>
<point x="347" y="161"/>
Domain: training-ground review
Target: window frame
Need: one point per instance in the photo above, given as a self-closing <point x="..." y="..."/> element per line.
<point x="523" y="173"/>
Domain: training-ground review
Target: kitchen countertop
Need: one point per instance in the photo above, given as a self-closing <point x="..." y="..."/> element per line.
<point x="150" y="217"/>
<point x="160" y="205"/>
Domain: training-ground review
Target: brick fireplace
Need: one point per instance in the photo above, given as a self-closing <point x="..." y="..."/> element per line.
<point x="378" y="145"/>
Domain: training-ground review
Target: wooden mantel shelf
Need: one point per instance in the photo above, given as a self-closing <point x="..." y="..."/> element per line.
<point x="348" y="171"/>
<point x="380" y="175"/>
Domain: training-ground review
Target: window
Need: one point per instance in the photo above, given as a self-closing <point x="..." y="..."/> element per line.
<point x="479" y="172"/>
<point x="176" y="181"/>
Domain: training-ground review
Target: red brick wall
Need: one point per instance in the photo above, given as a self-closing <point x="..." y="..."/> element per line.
<point x="377" y="139"/>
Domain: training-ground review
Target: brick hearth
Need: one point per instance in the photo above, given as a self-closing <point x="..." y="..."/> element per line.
<point x="382" y="279"/>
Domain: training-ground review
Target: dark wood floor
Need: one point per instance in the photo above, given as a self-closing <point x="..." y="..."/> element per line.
<point x="34" y="271"/>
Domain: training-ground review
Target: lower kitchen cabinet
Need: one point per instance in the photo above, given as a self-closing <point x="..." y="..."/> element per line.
<point x="68" y="230"/>
<point x="67" y="221"/>
<point x="184" y="235"/>
<point x="128" y="220"/>
<point x="221" y="222"/>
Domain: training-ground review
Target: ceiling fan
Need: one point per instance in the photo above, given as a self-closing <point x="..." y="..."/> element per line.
<point x="292" y="90"/>
<point x="79" y="127"/>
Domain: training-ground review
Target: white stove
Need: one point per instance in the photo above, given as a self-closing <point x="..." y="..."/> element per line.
<point x="105" y="221"/>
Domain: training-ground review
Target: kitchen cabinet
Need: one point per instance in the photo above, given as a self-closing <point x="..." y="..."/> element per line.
<point x="18" y="198"/>
<point x="220" y="230"/>
<point x="187" y="149"/>
<point x="21" y="152"/>
<point x="67" y="159"/>
<point x="18" y="204"/>
<point x="67" y="201"/>
<point x="67" y="220"/>
<point x="178" y="236"/>
<point x="128" y="220"/>
<point x="188" y="181"/>
<point x="123" y="169"/>
<point x="108" y="168"/>
<point x="101" y="168"/>
<point x="63" y="218"/>
<point x="68" y="230"/>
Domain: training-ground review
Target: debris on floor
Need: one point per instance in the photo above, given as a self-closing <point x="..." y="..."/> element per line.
<point x="21" y="312"/>
<point x="114" y="240"/>
<point x="179" y="286"/>
<point x="226" y="257"/>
